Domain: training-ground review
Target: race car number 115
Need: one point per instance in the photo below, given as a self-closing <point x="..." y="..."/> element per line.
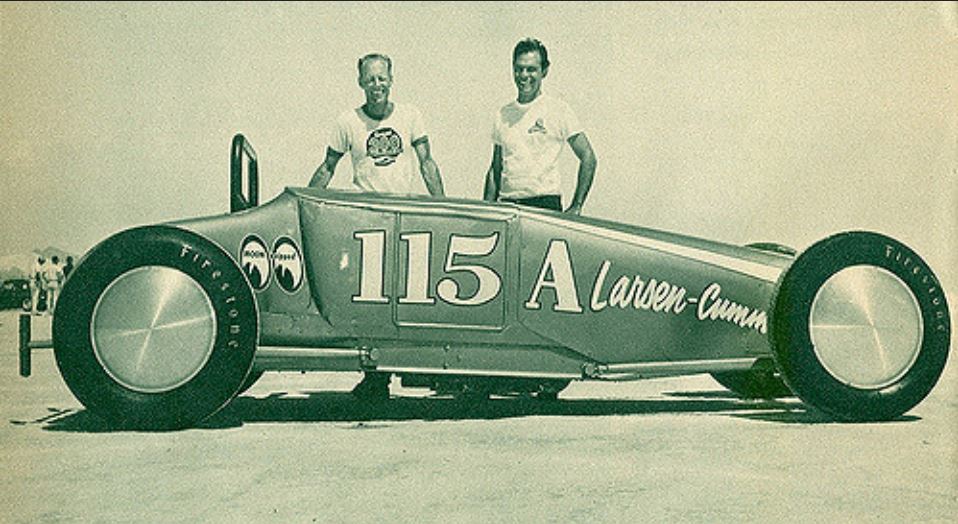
<point x="419" y="250"/>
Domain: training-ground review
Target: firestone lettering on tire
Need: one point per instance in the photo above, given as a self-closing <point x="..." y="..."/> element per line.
<point x="225" y="296"/>
<point x="923" y="280"/>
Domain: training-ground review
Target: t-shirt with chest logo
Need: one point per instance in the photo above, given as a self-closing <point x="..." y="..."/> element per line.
<point x="532" y="136"/>
<point x="382" y="151"/>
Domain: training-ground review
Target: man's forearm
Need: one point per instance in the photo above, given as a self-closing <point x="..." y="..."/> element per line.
<point x="321" y="177"/>
<point x="432" y="178"/>
<point x="491" y="191"/>
<point x="585" y="177"/>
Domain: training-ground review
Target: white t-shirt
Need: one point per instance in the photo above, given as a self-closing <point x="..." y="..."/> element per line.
<point x="532" y="136"/>
<point x="382" y="152"/>
<point x="52" y="275"/>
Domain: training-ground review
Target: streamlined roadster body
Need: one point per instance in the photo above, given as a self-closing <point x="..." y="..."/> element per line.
<point x="161" y="326"/>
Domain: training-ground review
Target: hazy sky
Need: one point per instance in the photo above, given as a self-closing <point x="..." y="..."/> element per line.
<point x="736" y="122"/>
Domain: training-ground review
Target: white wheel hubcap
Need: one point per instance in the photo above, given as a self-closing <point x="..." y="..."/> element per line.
<point x="153" y="329"/>
<point x="866" y="327"/>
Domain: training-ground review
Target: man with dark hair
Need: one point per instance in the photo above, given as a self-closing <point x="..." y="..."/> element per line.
<point x="378" y="135"/>
<point x="528" y="136"/>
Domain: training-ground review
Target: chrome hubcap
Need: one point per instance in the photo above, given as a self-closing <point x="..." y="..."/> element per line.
<point x="866" y="327"/>
<point x="153" y="329"/>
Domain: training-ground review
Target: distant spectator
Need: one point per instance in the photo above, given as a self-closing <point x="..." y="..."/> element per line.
<point x="52" y="280"/>
<point x="68" y="268"/>
<point x="36" y="283"/>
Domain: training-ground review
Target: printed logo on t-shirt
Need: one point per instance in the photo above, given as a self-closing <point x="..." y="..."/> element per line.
<point x="538" y="127"/>
<point x="383" y="146"/>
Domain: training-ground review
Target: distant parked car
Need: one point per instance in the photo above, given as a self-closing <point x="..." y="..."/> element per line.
<point x="15" y="293"/>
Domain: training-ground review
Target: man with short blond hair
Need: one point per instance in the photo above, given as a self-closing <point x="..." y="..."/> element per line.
<point x="379" y="136"/>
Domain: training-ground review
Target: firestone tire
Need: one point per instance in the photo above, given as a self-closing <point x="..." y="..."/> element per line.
<point x="155" y="329"/>
<point x="860" y="327"/>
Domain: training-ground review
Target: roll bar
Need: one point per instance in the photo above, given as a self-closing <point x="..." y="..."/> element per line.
<point x="238" y="200"/>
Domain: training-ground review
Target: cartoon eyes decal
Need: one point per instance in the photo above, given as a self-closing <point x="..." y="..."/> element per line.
<point x="255" y="261"/>
<point x="285" y="262"/>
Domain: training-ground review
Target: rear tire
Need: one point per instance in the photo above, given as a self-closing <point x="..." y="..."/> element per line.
<point x="860" y="327"/>
<point x="156" y="329"/>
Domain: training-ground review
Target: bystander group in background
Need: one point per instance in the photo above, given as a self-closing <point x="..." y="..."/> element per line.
<point x="46" y="279"/>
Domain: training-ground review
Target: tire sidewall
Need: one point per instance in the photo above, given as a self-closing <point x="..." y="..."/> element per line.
<point x="234" y="342"/>
<point x="796" y="355"/>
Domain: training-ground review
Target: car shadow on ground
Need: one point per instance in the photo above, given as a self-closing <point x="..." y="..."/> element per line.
<point x="324" y="406"/>
<point x="796" y="413"/>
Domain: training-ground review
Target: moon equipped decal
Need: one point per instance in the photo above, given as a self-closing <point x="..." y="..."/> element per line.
<point x="287" y="264"/>
<point x="254" y="259"/>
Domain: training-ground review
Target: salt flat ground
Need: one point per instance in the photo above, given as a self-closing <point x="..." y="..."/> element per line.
<point x="298" y="448"/>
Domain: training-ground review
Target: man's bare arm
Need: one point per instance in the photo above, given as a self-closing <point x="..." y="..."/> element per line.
<point x="428" y="168"/>
<point x="494" y="175"/>
<point x="324" y="173"/>
<point x="587" y="162"/>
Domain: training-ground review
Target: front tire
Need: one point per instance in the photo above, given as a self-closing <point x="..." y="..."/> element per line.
<point x="860" y="327"/>
<point x="156" y="329"/>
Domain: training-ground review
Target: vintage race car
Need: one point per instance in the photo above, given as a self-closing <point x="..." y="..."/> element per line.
<point x="161" y="326"/>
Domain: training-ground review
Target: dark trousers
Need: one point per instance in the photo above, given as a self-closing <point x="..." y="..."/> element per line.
<point x="553" y="202"/>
